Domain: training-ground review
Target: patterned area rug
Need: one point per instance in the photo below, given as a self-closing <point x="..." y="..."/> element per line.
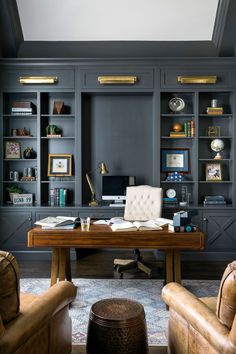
<point x="146" y="291"/>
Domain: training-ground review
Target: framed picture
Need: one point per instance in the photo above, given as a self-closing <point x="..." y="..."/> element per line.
<point x="213" y="172"/>
<point x="59" y="165"/>
<point x="12" y="150"/>
<point x="175" y="160"/>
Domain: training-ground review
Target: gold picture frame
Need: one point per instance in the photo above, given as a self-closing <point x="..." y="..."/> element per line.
<point x="12" y="150"/>
<point x="59" y="165"/>
<point x="213" y="172"/>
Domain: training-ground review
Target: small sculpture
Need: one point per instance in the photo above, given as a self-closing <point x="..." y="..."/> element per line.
<point x="29" y="153"/>
<point x="58" y="107"/>
<point x="52" y="129"/>
<point x="177" y="127"/>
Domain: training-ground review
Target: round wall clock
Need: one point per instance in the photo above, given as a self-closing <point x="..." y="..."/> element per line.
<point x="176" y="104"/>
<point x="171" y="193"/>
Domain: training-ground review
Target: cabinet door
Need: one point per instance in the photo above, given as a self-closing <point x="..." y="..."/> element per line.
<point x="14" y="229"/>
<point x="220" y="230"/>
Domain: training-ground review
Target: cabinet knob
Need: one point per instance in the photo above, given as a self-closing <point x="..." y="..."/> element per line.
<point x="205" y="219"/>
<point x="30" y="219"/>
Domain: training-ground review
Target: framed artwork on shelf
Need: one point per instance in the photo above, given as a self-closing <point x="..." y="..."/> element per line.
<point x="12" y="150"/>
<point x="175" y="160"/>
<point x="213" y="172"/>
<point x="59" y="165"/>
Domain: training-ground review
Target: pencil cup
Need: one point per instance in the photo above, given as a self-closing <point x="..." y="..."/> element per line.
<point x="85" y="223"/>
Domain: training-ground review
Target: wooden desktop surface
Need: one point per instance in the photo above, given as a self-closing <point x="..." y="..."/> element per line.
<point x="101" y="236"/>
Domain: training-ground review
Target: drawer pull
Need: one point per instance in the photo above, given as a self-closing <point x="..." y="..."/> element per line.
<point x="117" y="80"/>
<point x="197" y="79"/>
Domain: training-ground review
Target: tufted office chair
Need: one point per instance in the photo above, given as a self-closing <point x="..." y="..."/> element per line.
<point x="142" y="203"/>
<point x="202" y="325"/>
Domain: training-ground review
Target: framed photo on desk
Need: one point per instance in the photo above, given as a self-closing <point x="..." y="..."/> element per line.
<point x="175" y="160"/>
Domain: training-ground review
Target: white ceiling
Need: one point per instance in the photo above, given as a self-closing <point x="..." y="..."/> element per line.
<point x="117" y="20"/>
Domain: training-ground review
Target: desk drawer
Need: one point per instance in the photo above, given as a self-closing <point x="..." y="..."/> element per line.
<point x="89" y="79"/>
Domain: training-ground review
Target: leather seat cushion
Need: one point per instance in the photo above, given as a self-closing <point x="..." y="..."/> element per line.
<point x="226" y="302"/>
<point x="9" y="287"/>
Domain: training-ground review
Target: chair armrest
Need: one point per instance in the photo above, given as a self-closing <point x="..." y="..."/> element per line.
<point x="198" y="315"/>
<point x="41" y="310"/>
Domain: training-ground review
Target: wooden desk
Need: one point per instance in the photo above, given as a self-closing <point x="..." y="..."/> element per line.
<point x="101" y="236"/>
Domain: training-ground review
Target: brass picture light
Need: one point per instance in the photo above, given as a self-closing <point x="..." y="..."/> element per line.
<point x="103" y="171"/>
<point x="38" y="79"/>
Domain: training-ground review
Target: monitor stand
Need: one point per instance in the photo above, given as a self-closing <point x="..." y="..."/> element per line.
<point x="117" y="204"/>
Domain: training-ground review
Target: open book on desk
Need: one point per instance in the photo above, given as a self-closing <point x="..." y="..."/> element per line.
<point x="135" y="226"/>
<point x="58" y="221"/>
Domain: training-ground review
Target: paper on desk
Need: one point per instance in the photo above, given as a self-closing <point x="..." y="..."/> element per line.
<point x="101" y="222"/>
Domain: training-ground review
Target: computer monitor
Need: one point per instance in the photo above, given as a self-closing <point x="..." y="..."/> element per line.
<point x="114" y="188"/>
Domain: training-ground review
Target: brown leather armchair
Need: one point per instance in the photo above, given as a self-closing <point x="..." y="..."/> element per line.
<point x="202" y="325"/>
<point x="33" y="324"/>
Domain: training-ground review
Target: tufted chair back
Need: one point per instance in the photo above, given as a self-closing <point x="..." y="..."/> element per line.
<point x="143" y="203"/>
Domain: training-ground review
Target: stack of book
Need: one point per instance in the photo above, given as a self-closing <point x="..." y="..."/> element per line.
<point x="170" y="202"/>
<point x="189" y="130"/>
<point x="58" y="222"/>
<point x="215" y="110"/>
<point x="58" y="196"/>
<point x="23" y="107"/>
<point x="214" y="200"/>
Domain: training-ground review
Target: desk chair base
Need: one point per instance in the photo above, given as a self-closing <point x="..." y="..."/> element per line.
<point x="121" y="265"/>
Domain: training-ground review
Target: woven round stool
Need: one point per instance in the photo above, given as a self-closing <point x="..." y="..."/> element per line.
<point x="117" y="326"/>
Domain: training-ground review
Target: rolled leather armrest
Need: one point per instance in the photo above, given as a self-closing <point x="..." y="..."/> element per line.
<point x="44" y="307"/>
<point x="198" y="315"/>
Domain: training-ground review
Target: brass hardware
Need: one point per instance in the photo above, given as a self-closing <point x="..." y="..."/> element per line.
<point x="117" y="80"/>
<point x="197" y="79"/>
<point x="103" y="171"/>
<point x="38" y="79"/>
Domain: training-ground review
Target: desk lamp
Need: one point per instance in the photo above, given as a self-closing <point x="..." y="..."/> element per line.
<point x="103" y="171"/>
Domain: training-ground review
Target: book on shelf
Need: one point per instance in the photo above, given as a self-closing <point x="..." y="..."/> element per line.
<point x="58" y="196"/>
<point x="57" y="221"/>
<point x="135" y="226"/>
<point x="23" y="104"/>
<point x="215" y="110"/>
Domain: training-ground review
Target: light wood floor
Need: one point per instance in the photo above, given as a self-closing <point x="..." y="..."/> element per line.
<point x="99" y="264"/>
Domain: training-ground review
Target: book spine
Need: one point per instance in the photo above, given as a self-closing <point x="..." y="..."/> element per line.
<point x="52" y="198"/>
<point x="186" y="128"/>
<point x="57" y="196"/>
<point x="192" y="125"/>
<point x="189" y="129"/>
<point x="63" y="196"/>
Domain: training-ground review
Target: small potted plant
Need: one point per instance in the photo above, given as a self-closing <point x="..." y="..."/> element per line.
<point x="14" y="189"/>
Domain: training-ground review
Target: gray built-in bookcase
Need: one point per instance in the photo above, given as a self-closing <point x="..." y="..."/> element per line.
<point x="126" y="126"/>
